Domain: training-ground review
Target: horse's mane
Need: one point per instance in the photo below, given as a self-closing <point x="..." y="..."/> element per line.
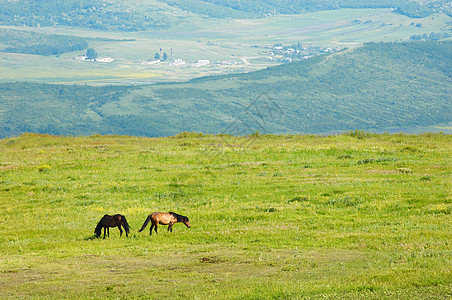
<point x="180" y="218"/>
<point x="125" y="224"/>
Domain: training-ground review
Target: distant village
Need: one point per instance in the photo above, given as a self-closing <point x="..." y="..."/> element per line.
<point x="176" y="62"/>
<point x="179" y="62"/>
<point x="289" y="53"/>
<point x="276" y="53"/>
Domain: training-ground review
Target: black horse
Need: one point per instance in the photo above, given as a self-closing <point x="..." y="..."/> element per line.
<point x="108" y="221"/>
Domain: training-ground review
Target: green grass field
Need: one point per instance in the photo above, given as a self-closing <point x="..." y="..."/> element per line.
<point x="199" y="38"/>
<point x="350" y="216"/>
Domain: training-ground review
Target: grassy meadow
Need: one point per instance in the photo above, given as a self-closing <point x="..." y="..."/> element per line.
<point x="349" y="216"/>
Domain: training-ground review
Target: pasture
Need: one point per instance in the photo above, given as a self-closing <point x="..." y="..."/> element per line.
<point x="348" y="216"/>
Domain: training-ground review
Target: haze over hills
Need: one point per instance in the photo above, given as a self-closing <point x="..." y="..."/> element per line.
<point x="160" y="14"/>
<point x="164" y="58"/>
<point x="379" y="87"/>
<point x="164" y="41"/>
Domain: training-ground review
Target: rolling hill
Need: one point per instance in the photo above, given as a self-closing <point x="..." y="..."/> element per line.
<point x="378" y="87"/>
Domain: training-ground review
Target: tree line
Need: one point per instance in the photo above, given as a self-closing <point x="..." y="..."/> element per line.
<point x="296" y="6"/>
<point x="47" y="50"/>
<point x="18" y="41"/>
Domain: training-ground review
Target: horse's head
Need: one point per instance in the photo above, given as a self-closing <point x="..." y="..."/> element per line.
<point x="181" y="218"/>
<point x="186" y="222"/>
<point x="98" y="229"/>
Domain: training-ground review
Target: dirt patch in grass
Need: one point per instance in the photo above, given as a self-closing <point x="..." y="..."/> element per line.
<point x="383" y="171"/>
<point x="210" y="260"/>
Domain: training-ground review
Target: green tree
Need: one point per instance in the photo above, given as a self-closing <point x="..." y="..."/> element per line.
<point x="91" y="53"/>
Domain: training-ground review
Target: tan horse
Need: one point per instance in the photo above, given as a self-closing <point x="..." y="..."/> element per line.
<point x="112" y="221"/>
<point x="164" y="219"/>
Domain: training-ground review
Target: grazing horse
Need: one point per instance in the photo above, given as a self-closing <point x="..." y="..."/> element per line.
<point x="112" y="221"/>
<point x="164" y="219"/>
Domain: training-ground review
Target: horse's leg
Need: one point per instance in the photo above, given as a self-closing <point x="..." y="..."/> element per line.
<point x="120" y="230"/>
<point x="150" y="230"/>
<point x="105" y="231"/>
<point x="155" y="229"/>
<point x="127" y="235"/>
<point x="170" y="228"/>
<point x="108" y="231"/>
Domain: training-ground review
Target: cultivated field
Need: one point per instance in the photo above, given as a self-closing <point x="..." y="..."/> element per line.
<point x="348" y="216"/>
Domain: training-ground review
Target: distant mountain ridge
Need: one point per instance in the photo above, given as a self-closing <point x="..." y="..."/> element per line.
<point x="378" y="87"/>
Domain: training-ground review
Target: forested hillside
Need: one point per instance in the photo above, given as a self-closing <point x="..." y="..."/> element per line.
<point x="96" y="14"/>
<point x="379" y="87"/>
<point x="160" y="14"/>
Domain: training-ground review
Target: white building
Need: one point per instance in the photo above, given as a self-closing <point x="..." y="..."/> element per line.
<point x="202" y="62"/>
<point x="178" y="62"/>
<point x="105" y="59"/>
<point x="152" y="62"/>
<point x="80" y="57"/>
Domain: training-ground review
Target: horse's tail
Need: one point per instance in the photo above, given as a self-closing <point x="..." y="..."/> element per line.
<point x="98" y="229"/>
<point x="126" y="225"/>
<point x="145" y="223"/>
